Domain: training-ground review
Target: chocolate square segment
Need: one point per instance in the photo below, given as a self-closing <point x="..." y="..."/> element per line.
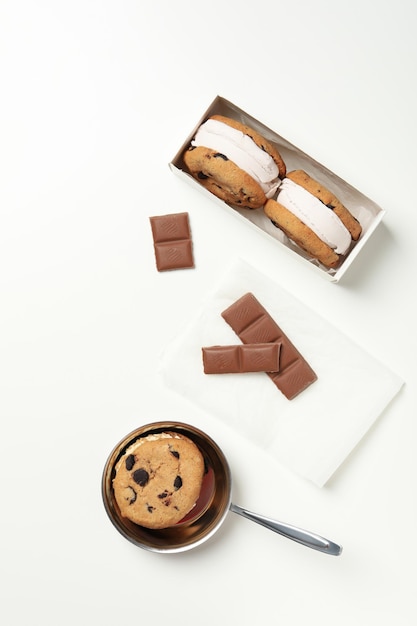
<point x="172" y="241"/>
<point x="239" y="359"/>
<point x="253" y="324"/>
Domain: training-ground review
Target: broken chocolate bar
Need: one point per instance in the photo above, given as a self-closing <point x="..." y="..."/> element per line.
<point x="253" y="324"/>
<point x="239" y="359"/>
<point x="172" y="241"/>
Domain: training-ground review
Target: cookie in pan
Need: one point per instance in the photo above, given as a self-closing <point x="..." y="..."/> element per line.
<point x="158" y="480"/>
<point x="313" y="218"/>
<point x="235" y="162"/>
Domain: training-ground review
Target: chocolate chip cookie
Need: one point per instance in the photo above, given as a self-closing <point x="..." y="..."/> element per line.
<point x="158" y="479"/>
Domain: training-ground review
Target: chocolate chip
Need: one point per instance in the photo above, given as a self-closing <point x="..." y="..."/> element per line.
<point x="150" y="508"/>
<point x="166" y="497"/>
<point x="175" y="453"/>
<point x="130" y="495"/>
<point x="219" y="155"/>
<point x="130" y="461"/>
<point x="177" y="483"/>
<point x="140" y="476"/>
<point x="202" y="176"/>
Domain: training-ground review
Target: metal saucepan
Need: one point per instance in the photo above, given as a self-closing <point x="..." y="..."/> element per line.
<point x="211" y="508"/>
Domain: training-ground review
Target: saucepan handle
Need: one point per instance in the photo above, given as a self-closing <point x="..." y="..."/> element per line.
<point x="305" y="537"/>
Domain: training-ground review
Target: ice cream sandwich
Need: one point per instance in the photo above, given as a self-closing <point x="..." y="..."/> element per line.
<point x="313" y="218"/>
<point x="235" y="162"/>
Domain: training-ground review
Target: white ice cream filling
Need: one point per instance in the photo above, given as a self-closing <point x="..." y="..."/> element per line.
<point x="242" y="150"/>
<point x="316" y="215"/>
<point x="134" y="446"/>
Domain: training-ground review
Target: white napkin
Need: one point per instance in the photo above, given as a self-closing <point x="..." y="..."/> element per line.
<point x="311" y="434"/>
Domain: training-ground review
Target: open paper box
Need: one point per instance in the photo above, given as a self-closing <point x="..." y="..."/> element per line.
<point x="365" y="210"/>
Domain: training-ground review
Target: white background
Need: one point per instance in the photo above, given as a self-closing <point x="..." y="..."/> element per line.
<point x="96" y="98"/>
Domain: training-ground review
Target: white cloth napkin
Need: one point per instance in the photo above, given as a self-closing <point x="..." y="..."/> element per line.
<point x="311" y="434"/>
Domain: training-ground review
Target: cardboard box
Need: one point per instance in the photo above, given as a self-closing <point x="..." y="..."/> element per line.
<point x="365" y="210"/>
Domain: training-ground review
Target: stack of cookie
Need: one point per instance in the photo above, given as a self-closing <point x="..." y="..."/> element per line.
<point x="243" y="169"/>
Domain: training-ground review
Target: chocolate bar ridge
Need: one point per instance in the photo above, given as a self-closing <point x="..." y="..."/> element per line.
<point x="240" y="359"/>
<point x="253" y="324"/>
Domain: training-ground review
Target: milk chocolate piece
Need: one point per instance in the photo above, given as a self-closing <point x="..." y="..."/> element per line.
<point x="172" y="241"/>
<point x="253" y="324"/>
<point x="238" y="359"/>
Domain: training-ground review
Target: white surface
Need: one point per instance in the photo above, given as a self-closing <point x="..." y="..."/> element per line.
<point x="96" y="98"/>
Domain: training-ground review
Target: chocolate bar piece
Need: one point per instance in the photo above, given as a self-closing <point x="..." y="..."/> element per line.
<point x="172" y="241"/>
<point x="253" y="324"/>
<point x="238" y="359"/>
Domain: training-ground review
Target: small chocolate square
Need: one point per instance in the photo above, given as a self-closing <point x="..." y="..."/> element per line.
<point x="172" y="241"/>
